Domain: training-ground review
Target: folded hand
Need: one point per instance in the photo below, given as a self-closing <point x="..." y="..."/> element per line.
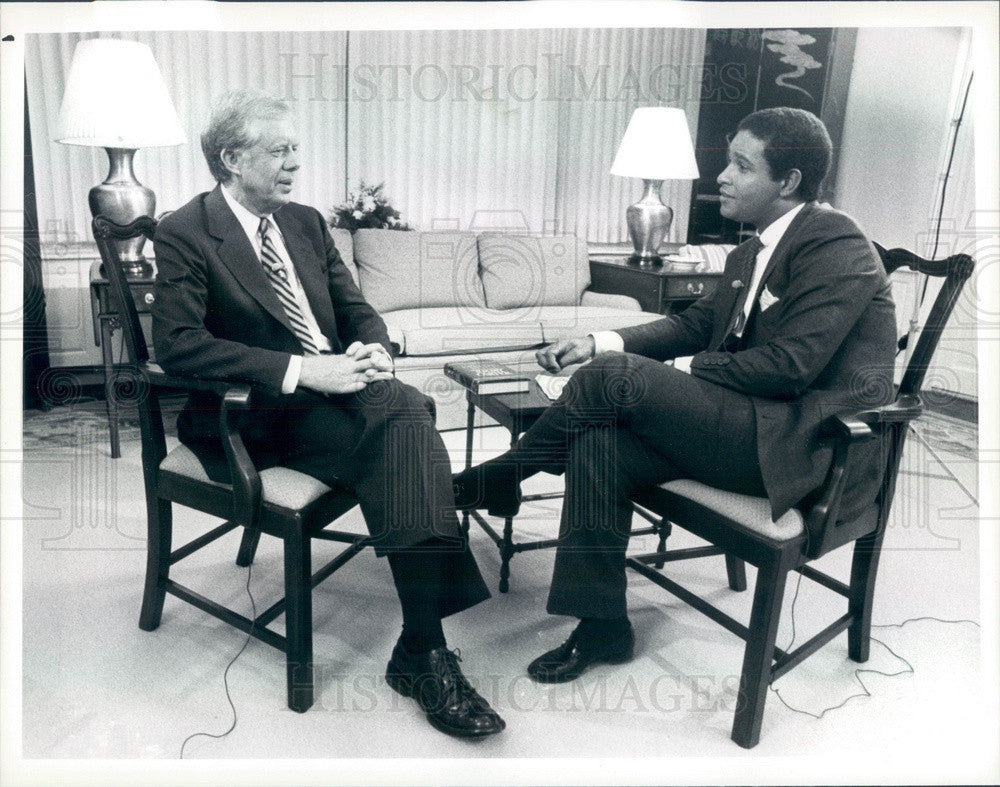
<point x="375" y="352"/>
<point x="565" y="353"/>
<point x="334" y="374"/>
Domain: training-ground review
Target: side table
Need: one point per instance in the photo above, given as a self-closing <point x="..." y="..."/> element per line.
<point x="663" y="289"/>
<point x="106" y="322"/>
<point x="517" y="412"/>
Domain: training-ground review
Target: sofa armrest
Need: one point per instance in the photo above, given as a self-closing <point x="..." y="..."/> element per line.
<point x="610" y="301"/>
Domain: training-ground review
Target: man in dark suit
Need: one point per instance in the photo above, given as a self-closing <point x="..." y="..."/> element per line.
<point x="250" y="287"/>
<point x="801" y="326"/>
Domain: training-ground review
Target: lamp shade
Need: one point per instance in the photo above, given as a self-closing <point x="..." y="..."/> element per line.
<point x="115" y="98"/>
<point x="656" y="146"/>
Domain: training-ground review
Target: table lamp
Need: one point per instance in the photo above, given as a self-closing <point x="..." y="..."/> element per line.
<point x="656" y="147"/>
<point x="115" y="98"/>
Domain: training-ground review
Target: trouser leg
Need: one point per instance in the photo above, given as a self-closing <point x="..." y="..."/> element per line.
<point x="383" y="445"/>
<point x="706" y="432"/>
<point x="625" y="422"/>
<point x="605" y="463"/>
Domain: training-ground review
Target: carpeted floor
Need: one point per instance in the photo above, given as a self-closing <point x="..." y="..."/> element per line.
<point x="95" y="686"/>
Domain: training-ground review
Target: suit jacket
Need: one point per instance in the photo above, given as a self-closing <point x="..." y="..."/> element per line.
<point x="825" y="346"/>
<point x="216" y="315"/>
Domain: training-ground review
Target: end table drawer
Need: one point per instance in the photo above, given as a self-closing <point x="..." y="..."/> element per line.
<point x="690" y="286"/>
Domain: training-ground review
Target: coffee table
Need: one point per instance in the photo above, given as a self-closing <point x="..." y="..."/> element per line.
<point x="516" y="412"/>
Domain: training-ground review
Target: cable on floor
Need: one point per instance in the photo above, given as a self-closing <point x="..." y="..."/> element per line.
<point x="225" y="674"/>
<point x="861" y="670"/>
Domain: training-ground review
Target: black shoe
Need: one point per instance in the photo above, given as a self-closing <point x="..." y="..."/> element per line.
<point x="571" y="659"/>
<point x="490" y="486"/>
<point x="435" y="681"/>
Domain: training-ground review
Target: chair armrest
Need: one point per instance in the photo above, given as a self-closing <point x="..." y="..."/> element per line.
<point x="844" y="431"/>
<point x="858" y="427"/>
<point x="610" y="300"/>
<point x="848" y="429"/>
<point x="247" y="488"/>
<point x="156" y="376"/>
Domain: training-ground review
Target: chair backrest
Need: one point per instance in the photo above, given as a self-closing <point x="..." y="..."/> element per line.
<point x="955" y="270"/>
<point x="106" y="233"/>
<point x="154" y="447"/>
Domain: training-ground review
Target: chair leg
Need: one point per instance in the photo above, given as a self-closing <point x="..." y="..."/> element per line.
<point x="506" y="553"/>
<point x="736" y="570"/>
<point x="759" y="654"/>
<point x="298" y="617"/>
<point x="663" y="532"/>
<point x="864" y="567"/>
<point x="248" y="547"/>
<point x="158" y="539"/>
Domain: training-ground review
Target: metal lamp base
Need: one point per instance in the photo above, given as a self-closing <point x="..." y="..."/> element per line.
<point x="648" y="222"/>
<point x="123" y="199"/>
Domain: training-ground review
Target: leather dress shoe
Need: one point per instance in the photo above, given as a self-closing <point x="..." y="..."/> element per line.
<point x="435" y="681"/>
<point x="490" y="486"/>
<point x="576" y="654"/>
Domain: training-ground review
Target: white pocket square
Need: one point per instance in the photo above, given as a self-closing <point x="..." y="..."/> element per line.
<point x="767" y="300"/>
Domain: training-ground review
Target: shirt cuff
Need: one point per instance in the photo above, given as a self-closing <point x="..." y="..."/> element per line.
<point x="607" y="341"/>
<point x="683" y="363"/>
<point x="292" y="373"/>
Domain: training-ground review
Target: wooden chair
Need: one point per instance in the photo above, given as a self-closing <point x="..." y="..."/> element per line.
<point x="740" y="528"/>
<point x="278" y="501"/>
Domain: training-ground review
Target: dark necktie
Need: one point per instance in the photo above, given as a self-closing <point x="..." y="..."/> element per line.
<point x="748" y="259"/>
<point x="745" y="268"/>
<point x="279" y="280"/>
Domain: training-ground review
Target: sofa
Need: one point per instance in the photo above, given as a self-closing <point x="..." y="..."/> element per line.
<point x="456" y="295"/>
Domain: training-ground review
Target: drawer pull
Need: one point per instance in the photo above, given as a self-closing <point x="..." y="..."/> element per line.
<point x="149" y="298"/>
<point x="696" y="288"/>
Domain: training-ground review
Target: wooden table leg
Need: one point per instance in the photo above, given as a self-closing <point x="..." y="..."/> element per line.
<point x="507" y="544"/>
<point x="470" y="428"/>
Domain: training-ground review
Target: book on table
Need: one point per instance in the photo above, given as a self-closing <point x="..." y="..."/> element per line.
<point x="487" y="376"/>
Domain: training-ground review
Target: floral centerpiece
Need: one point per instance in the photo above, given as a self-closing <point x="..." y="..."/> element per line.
<point x="367" y="208"/>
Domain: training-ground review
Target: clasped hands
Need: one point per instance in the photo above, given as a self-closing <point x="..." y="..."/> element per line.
<point x="359" y="366"/>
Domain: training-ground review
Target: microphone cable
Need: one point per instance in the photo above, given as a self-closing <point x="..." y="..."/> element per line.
<point x="225" y="674"/>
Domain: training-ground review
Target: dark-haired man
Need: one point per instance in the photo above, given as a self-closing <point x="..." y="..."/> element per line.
<point x="802" y="325"/>
<point x="250" y="287"/>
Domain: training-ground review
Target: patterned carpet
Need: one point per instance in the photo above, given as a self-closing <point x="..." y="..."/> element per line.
<point x="82" y="422"/>
<point x="85" y="422"/>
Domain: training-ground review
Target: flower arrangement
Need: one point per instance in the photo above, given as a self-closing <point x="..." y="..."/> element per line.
<point x="367" y="207"/>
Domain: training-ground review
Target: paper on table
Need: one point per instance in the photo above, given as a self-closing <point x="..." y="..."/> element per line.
<point x="551" y="385"/>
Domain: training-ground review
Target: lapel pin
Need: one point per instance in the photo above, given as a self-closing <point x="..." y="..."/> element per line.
<point x="737" y="284"/>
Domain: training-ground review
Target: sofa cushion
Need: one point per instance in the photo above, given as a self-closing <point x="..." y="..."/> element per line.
<point x="345" y="245"/>
<point x="524" y="271"/>
<point x="460" y="329"/>
<point x="560" y="322"/>
<point x="409" y="270"/>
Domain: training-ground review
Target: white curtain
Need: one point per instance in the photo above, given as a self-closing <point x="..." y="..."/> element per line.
<point x="605" y="74"/>
<point x="197" y="67"/>
<point x="505" y="129"/>
<point x="454" y="125"/>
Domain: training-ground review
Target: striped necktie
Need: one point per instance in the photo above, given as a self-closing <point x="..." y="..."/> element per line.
<point x="279" y="280"/>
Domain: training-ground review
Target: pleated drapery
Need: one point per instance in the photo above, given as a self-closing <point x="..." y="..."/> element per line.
<point x="482" y="129"/>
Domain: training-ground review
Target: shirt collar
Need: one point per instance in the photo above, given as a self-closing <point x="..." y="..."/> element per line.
<point x="774" y="231"/>
<point x="249" y="221"/>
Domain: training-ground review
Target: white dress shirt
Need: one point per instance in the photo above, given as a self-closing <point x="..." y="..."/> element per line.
<point x="251" y="226"/>
<point x="605" y="341"/>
